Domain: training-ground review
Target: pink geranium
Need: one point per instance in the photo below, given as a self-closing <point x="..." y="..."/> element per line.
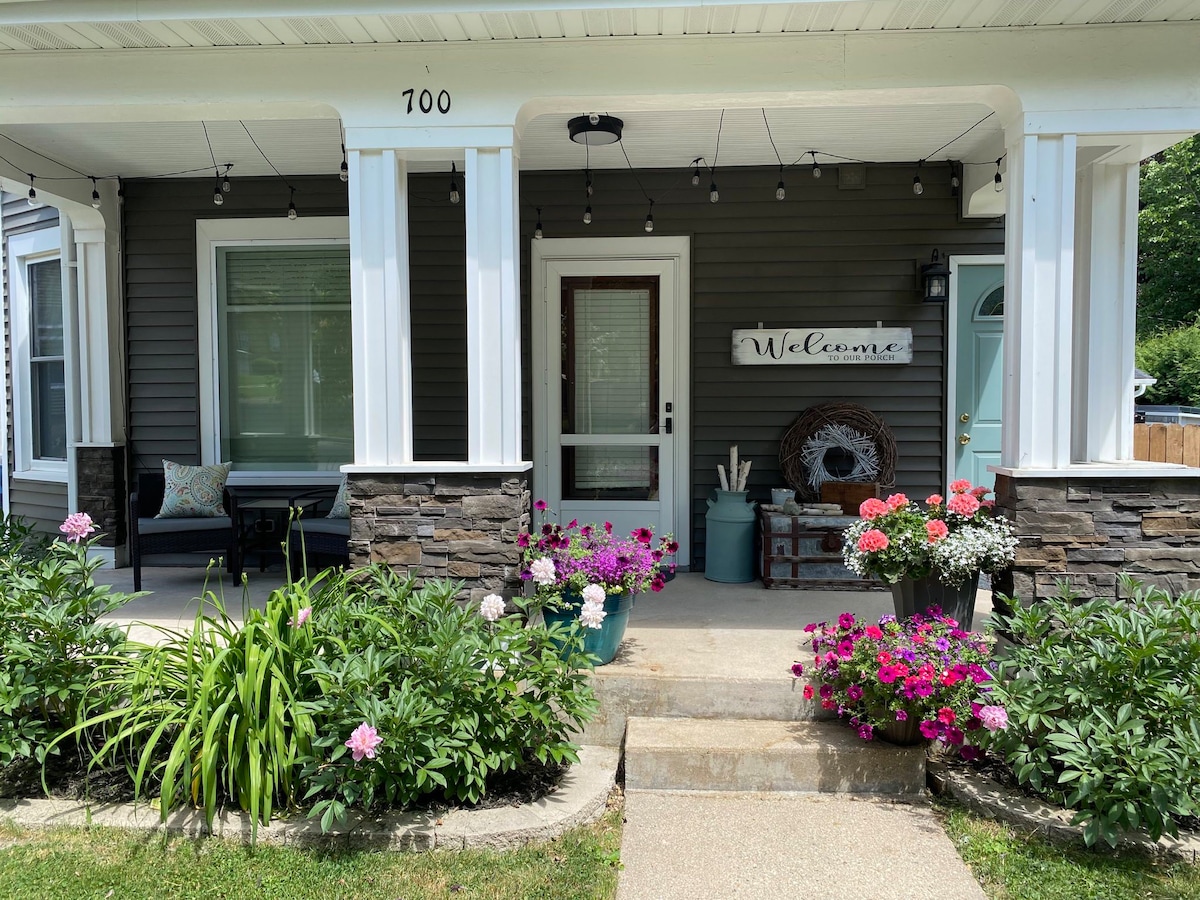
<point x="896" y="501"/>
<point x="872" y="508"/>
<point x="934" y="500"/>
<point x="873" y="541"/>
<point x="936" y="529"/>
<point x="961" y="486"/>
<point x="963" y="504"/>
<point x="363" y="741"/>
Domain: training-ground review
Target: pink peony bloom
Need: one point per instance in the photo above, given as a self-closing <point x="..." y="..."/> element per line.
<point x="963" y="504"/>
<point x="77" y="526"/>
<point x="301" y="617"/>
<point x="873" y="541"/>
<point x="896" y="501"/>
<point x="936" y="530"/>
<point x="994" y="718"/>
<point x="934" y="500"/>
<point x="872" y="508"/>
<point x="363" y="741"/>
<point x="960" y="487"/>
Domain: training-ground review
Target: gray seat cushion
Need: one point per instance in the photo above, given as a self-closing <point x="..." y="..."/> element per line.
<point x="339" y="527"/>
<point x="171" y="526"/>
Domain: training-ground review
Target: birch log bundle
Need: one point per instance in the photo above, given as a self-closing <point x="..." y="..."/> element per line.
<point x="738" y="473"/>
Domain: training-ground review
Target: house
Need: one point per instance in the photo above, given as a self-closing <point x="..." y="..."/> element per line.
<point x="475" y="251"/>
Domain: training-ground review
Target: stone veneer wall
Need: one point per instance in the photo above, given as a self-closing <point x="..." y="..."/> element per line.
<point x="101" y="476"/>
<point x="442" y="526"/>
<point x="1088" y="530"/>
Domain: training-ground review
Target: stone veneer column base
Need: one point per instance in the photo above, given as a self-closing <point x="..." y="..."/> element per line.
<point x="1086" y="531"/>
<point x="101" y="477"/>
<point x="442" y="525"/>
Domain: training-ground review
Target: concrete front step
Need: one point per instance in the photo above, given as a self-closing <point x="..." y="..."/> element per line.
<point x="623" y="694"/>
<point x="756" y="755"/>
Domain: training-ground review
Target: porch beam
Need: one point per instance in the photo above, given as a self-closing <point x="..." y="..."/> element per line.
<point x="380" y="309"/>
<point x="493" y="307"/>
<point x="1039" y="260"/>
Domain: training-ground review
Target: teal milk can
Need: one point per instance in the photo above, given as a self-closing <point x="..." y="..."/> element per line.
<point x="729" y="538"/>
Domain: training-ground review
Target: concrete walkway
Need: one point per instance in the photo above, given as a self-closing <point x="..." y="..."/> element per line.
<point x="725" y="846"/>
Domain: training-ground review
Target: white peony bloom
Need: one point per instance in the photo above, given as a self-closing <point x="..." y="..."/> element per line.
<point x="492" y="607"/>
<point x="542" y="570"/>
<point x="592" y="615"/>
<point x="593" y="593"/>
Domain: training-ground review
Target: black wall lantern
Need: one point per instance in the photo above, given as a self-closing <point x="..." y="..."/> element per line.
<point x="935" y="280"/>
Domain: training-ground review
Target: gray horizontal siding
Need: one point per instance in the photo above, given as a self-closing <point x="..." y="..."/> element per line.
<point x="823" y="257"/>
<point x="162" y="328"/>
<point x="42" y="504"/>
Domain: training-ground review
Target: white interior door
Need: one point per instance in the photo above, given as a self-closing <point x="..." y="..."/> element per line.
<point x="610" y="419"/>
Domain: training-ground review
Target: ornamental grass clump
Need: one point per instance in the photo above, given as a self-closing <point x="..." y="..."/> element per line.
<point x="589" y="562"/>
<point x="952" y="540"/>
<point x="1103" y="700"/>
<point x="924" y="670"/>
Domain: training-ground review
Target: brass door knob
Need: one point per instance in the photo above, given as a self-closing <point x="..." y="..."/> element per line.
<point x="965" y="417"/>
<point x="964" y="439"/>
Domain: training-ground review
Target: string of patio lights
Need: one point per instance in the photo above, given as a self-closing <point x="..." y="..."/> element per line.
<point x="592" y="128"/>
<point x="608" y="130"/>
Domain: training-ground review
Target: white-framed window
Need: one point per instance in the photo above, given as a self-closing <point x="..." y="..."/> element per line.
<point x="276" y="378"/>
<point x="39" y="348"/>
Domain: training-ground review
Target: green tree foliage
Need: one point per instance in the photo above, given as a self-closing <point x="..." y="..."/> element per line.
<point x="1173" y="357"/>
<point x="1169" y="240"/>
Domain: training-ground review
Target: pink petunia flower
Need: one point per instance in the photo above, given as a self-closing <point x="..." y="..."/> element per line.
<point x="808" y="692"/>
<point x="929" y="729"/>
<point x="963" y="504"/>
<point x="874" y="632"/>
<point x="363" y="741"/>
<point x="873" y="541"/>
<point x="77" y="526"/>
<point x="846" y="620"/>
<point x="936" y="530"/>
<point x="872" y="508"/>
<point x="946" y="715"/>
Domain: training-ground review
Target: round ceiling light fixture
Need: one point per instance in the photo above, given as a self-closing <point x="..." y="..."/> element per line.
<point x="595" y="129"/>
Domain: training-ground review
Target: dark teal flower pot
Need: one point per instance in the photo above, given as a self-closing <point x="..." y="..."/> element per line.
<point x="603" y="641"/>
<point x="958" y="601"/>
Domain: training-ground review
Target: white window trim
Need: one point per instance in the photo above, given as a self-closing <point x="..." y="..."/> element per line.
<point x="39" y="246"/>
<point x="212" y="234"/>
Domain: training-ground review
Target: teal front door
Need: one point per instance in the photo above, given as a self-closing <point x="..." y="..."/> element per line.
<point x="980" y="366"/>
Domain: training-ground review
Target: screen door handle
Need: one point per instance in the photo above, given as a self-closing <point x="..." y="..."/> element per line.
<point x="667" y="425"/>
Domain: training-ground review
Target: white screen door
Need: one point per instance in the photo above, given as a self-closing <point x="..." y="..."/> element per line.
<point x="608" y="410"/>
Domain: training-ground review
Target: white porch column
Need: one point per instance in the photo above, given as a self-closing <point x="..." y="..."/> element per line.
<point x="380" y="311"/>
<point x="1106" y="301"/>
<point x="101" y="378"/>
<point x="1039" y="261"/>
<point x="493" y="308"/>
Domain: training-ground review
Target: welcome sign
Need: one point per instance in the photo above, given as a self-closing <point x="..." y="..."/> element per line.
<point x="820" y="346"/>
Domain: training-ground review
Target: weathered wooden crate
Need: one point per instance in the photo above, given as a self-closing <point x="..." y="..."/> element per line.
<point x="849" y="494"/>
<point x="805" y="552"/>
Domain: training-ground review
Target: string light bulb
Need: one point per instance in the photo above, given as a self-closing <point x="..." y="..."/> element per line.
<point x="95" y="195"/>
<point x="918" y="188"/>
<point x="955" y="182"/>
<point x="455" y="196"/>
<point x="226" y="187"/>
<point x="344" y="168"/>
<point x="713" y="194"/>
<point x="696" y="172"/>
<point x="997" y="180"/>
<point x="218" y="197"/>
<point x="816" y="168"/>
<point x="33" y="200"/>
<point x="780" y="190"/>
<point x="537" y="228"/>
<point x="292" y="203"/>
<point x="587" y="216"/>
<point x="650" y="219"/>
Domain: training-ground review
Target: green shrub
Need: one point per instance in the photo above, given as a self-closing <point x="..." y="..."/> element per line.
<point x="1103" y="703"/>
<point x="454" y="698"/>
<point x="1173" y="357"/>
<point x="50" y="629"/>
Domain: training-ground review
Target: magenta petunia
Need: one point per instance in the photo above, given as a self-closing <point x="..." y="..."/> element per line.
<point x="540" y="505"/>
<point x="846" y="620"/>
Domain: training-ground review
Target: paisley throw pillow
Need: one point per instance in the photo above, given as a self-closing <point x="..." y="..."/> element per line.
<point x="193" y="491"/>
<point x="341" y="509"/>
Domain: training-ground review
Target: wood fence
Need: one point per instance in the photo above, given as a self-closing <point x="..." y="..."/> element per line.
<point x="1167" y="443"/>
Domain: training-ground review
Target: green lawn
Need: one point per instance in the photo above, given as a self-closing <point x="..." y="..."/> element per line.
<point x="1016" y="866"/>
<point x="64" y="864"/>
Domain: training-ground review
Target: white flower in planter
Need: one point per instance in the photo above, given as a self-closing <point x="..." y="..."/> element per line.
<point x="542" y="570"/>
<point x="593" y="593"/>
<point x="592" y="615"/>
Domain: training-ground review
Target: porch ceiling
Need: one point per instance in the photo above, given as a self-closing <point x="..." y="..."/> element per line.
<point x="667" y="139"/>
<point x="55" y="25"/>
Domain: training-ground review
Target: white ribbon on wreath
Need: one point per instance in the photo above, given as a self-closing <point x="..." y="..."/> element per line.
<point x="840" y="437"/>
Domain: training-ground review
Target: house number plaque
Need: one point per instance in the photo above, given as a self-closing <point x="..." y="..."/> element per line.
<point x="819" y="346"/>
<point x="425" y="101"/>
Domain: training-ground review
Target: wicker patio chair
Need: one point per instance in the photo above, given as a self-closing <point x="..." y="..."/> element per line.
<point x="148" y="535"/>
